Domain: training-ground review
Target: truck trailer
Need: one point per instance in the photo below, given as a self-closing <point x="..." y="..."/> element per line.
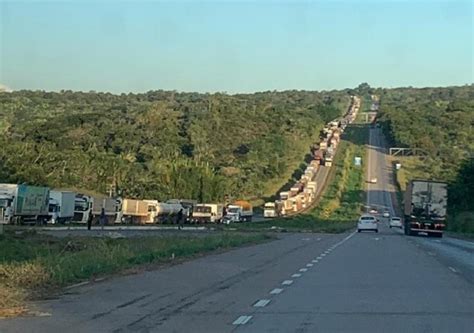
<point x="23" y="204"/>
<point x="425" y="205"/>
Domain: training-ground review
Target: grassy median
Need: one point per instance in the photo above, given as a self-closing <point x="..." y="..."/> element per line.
<point x="32" y="263"/>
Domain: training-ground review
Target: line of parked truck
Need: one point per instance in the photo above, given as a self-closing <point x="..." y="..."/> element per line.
<point x="20" y="203"/>
<point x="303" y="192"/>
<point x="23" y="204"/>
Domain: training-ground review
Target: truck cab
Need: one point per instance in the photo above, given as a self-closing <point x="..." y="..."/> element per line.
<point x="207" y="213"/>
<point x="270" y="209"/>
<point x="6" y="212"/>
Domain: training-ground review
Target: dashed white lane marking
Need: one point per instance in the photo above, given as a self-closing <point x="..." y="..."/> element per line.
<point x="315" y="261"/>
<point x="305" y="239"/>
<point x="261" y="303"/>
<point x="309" y="265"/>
<point x="242" y="320"/>
<point x="323" y="254"/>
<point x="318" y="239"/>
<point x="319" y="258"/>
<point x="303" y="269"/>
<point x="287" y="282"/>
<point x="296" y="275"/>
<point x="276" y="291"/>
<point x="453" y="269"/>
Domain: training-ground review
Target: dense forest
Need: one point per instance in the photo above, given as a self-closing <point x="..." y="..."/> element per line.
<point x="161" y="144"/>
<point x="440" y="121"/>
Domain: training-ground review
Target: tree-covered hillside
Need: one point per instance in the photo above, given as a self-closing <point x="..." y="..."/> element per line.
<point x="161" y="144"/>
<point x="440" y="121"/>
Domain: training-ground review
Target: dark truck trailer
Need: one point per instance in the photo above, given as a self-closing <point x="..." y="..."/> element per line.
<point x="425" y="204"/>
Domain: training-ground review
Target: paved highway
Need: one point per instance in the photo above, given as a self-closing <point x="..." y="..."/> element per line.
<point x="366" y="282"/>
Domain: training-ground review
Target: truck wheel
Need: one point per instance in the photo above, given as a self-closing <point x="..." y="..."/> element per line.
<point x="358" y="230"/>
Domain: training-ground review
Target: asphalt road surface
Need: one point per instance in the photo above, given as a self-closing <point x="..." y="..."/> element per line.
<point x="367" y="282"/>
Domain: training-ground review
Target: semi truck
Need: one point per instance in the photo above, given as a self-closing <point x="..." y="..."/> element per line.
<point x="239" y="211"/>
<point x="82" y="208"/>
<point x="61" y="206"/>
<point x="270" y="209"/>
<point x="208" y="213"/>
<point x="23" y="204"/>
<point x="425" y="205"/>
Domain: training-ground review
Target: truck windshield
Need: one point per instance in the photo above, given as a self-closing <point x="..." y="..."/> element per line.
<point x="233" y="210"/>
<point x="53" y="208"/>
<point x="4" y="203"/>
<point x="80" y="206"/>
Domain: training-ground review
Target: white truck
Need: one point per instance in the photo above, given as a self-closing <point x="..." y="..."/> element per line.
<point x="271" y="209"/>
<point x="82" y="208"/>
<point x="239" y="211"/>
<point x="162" y="212"/>
<point x="23" y="204"/>
<point x="207" y="213"/>
<point x="61" y="206"/>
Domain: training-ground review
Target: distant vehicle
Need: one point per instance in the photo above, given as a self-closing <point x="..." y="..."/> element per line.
<point x="386" y="213"/>
<point x="270" y="209"/>
<point x="23" y="204"/>
<point x="239" y="211"/>
<point x="373" y="210"/>
<point x="82" y="208"/>
<point x="367" y="222"/>
<point x="208" y="213"/>
<point x="395" y="222"/>
<point x="61" y="206"/>
<point x="425" y="207"/>
<point x="373" y="180"/>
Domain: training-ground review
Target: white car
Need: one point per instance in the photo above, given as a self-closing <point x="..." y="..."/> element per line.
<point x="386" y="213"/>
<point x="367" y="222"/>
<point x="395" y="222"/>
<point x="373" y="180"/>
<point x="373" y="210"/>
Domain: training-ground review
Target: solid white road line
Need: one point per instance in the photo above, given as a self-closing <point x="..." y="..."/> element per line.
<point x="453" y="269"/>
<point x="242" y="320"/>
<point x="276" y="291"/>
<point x="287" y="282"/>
<point x="261" y="303"/>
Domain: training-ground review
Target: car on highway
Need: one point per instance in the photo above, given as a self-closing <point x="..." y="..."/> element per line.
<point x="373" y="210"/>
<point x="373" y="180"/>
<point x="395" y="222"/>
<point x="386" y="213"/>
<point x="367" y="222"/>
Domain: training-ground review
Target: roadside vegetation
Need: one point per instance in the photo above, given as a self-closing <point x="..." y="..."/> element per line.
<point x="438" y="121"/>
<point x="343" y="199"/>
<point x="161" y="144"/>
<point x="32" y="264"/>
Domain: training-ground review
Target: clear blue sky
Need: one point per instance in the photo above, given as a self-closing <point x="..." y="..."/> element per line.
<point x="234" y="46"/>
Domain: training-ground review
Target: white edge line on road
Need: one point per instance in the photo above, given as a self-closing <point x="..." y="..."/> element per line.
<point x="453" y="269"/>
<point x="78" y="285"/>
<point x="287" y="282"/>
<point x="261" y="303"/>
<point x="303" y="269"/>
<point x="276" y="291"/>
<point x="242" y="320"/>
<point x="296" y="275"/>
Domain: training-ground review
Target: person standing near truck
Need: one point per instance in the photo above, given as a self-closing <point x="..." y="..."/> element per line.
<point x="180" y="219"/>
<point x="89" y="222"/>
<point x="103" y="218"/>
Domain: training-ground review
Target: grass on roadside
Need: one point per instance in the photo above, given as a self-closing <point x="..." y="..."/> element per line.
<point x="30" y="262"/>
